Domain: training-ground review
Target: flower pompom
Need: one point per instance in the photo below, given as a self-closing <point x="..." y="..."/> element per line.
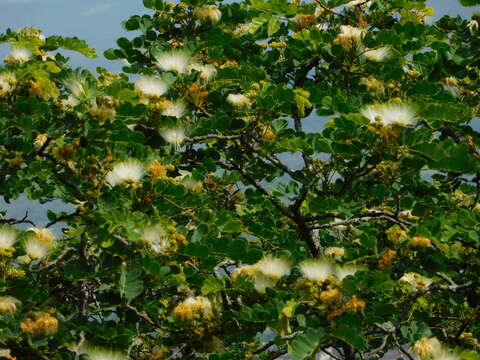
<point x="416" y="281"/>
<point x="174" y="136"/>
<point x="273" y="268"/>
<point x="341" y="272"/>
<point x="19" y="54"/>
<point x="7" y="83"/>
<point x="238" y="100"/>
<point x="207" y="72"/>
<point x="151" y="86"/>
<point x="8" y="237"/>
<point x="427" y="347"/>
<point x="317" y="270"/>
<point x="334" y="251"/>
<point x="377" y="55"/>
<point x="207" y="13"/>
<point x="191" y="308"/>
<point x="388" y="114"/>
<point x="8" y="304"/>
<point x="39" y="243"/>
<point x="173" y="60"/>
<point x="349" y="35"/>
<point x="126" y="172"/>
<point x="176" y="109"/>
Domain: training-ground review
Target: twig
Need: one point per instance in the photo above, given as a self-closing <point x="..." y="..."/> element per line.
<point x="362" y="218"/>
<point x="142" y="314"/>
<point x="400" y="347"/>
<point x="212" y="136"/>
<point x="54" y="262"/>
<point x="13" y="221"/>
<point x="265" y="346"/>
<point x="176" y="353"/>
<point x="62" y="218"/>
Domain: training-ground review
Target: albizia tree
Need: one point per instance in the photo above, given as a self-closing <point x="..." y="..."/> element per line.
<point x="265" y="178"/>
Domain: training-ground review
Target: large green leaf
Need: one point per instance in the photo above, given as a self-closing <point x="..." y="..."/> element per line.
<point x="130" y="284"/>
<point x="305" y="345"/>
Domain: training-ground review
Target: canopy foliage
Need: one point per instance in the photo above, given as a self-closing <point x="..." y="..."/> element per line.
<point x="263" y="178"/>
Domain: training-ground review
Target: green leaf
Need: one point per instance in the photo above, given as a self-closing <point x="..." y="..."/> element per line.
<point x="70" y="43"/>
<point x="258" y="22"/>
<point x="351" y="335"/>
<point x="212" y="285"/>
<point x="131" y="284"/>
<point x="273" y="25"/>
<point x="305" y="345"/>
<point x="470" y="2"/>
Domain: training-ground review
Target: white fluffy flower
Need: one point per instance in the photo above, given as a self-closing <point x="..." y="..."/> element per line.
<point x="20" y="54"/>
<point x="207" y="72"/>
<point x="239" y="100"/>
<point x="188" y="181"/>
<point x="98" y="353"/>
<point x="76" y="87"/>
<point x="389" y="114"/>
<point x="427" y="347"/>
<point x="359" y="2"/>
<point x="473" y="25"/>
<point x="8" y="304"/>
<point x="158" y="238"/>
<point x="7" y="82"/>
<point x="341" y="272"/>
<point x="151" y="86"/>
<point x="8" y="237"/>
<point x="207" y="13"/>
<point x="351" y="33"/>
<point x="175" y="109"/>
<point x="316" y="269"/>
<point x="174" y="136"/>
<point x="174" y="60"/>
<point x="125" y="172"/>
<point x="36" y="249"/>
<point x="417" y="281"/>
<point x="334" y="251"/>
<point x="70" y="102"/>
<point x="261" y="283"/>
<point x="377" y="55"/>
<point x="273" y="268"/>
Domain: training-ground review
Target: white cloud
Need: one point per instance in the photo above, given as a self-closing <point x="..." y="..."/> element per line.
<point x="93" y="10"/>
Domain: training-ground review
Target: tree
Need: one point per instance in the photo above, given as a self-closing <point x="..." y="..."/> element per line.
<point x="194" y="234"/>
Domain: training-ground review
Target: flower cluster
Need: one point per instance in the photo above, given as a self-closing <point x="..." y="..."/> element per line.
<point x="321" y="270"/>
<point x="8" y="237"/>
<point x="390" y="113"/>
<point x="126" y="172"/>
<point x="349" y="35"/>
<point x="416" y="281"/>
<point x="40" y="324"/>
<point x="162" y="239"/>
<point x="8" y="304"/>
<point x="207" y="13"/>
<point x="39" y="243"/>
<point x="265" y="273"/>
<point x="432" y="349"/>
<point x="194" y="308"/>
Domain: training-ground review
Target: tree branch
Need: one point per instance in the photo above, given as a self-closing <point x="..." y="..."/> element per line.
<point x="12" y="221"/>
<point x="57" y="260"/>
<point x="362" y="218"/>
<point x="212" y="136"/>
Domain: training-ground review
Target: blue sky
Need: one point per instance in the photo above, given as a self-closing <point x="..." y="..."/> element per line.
<point x="99" y="21"/>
